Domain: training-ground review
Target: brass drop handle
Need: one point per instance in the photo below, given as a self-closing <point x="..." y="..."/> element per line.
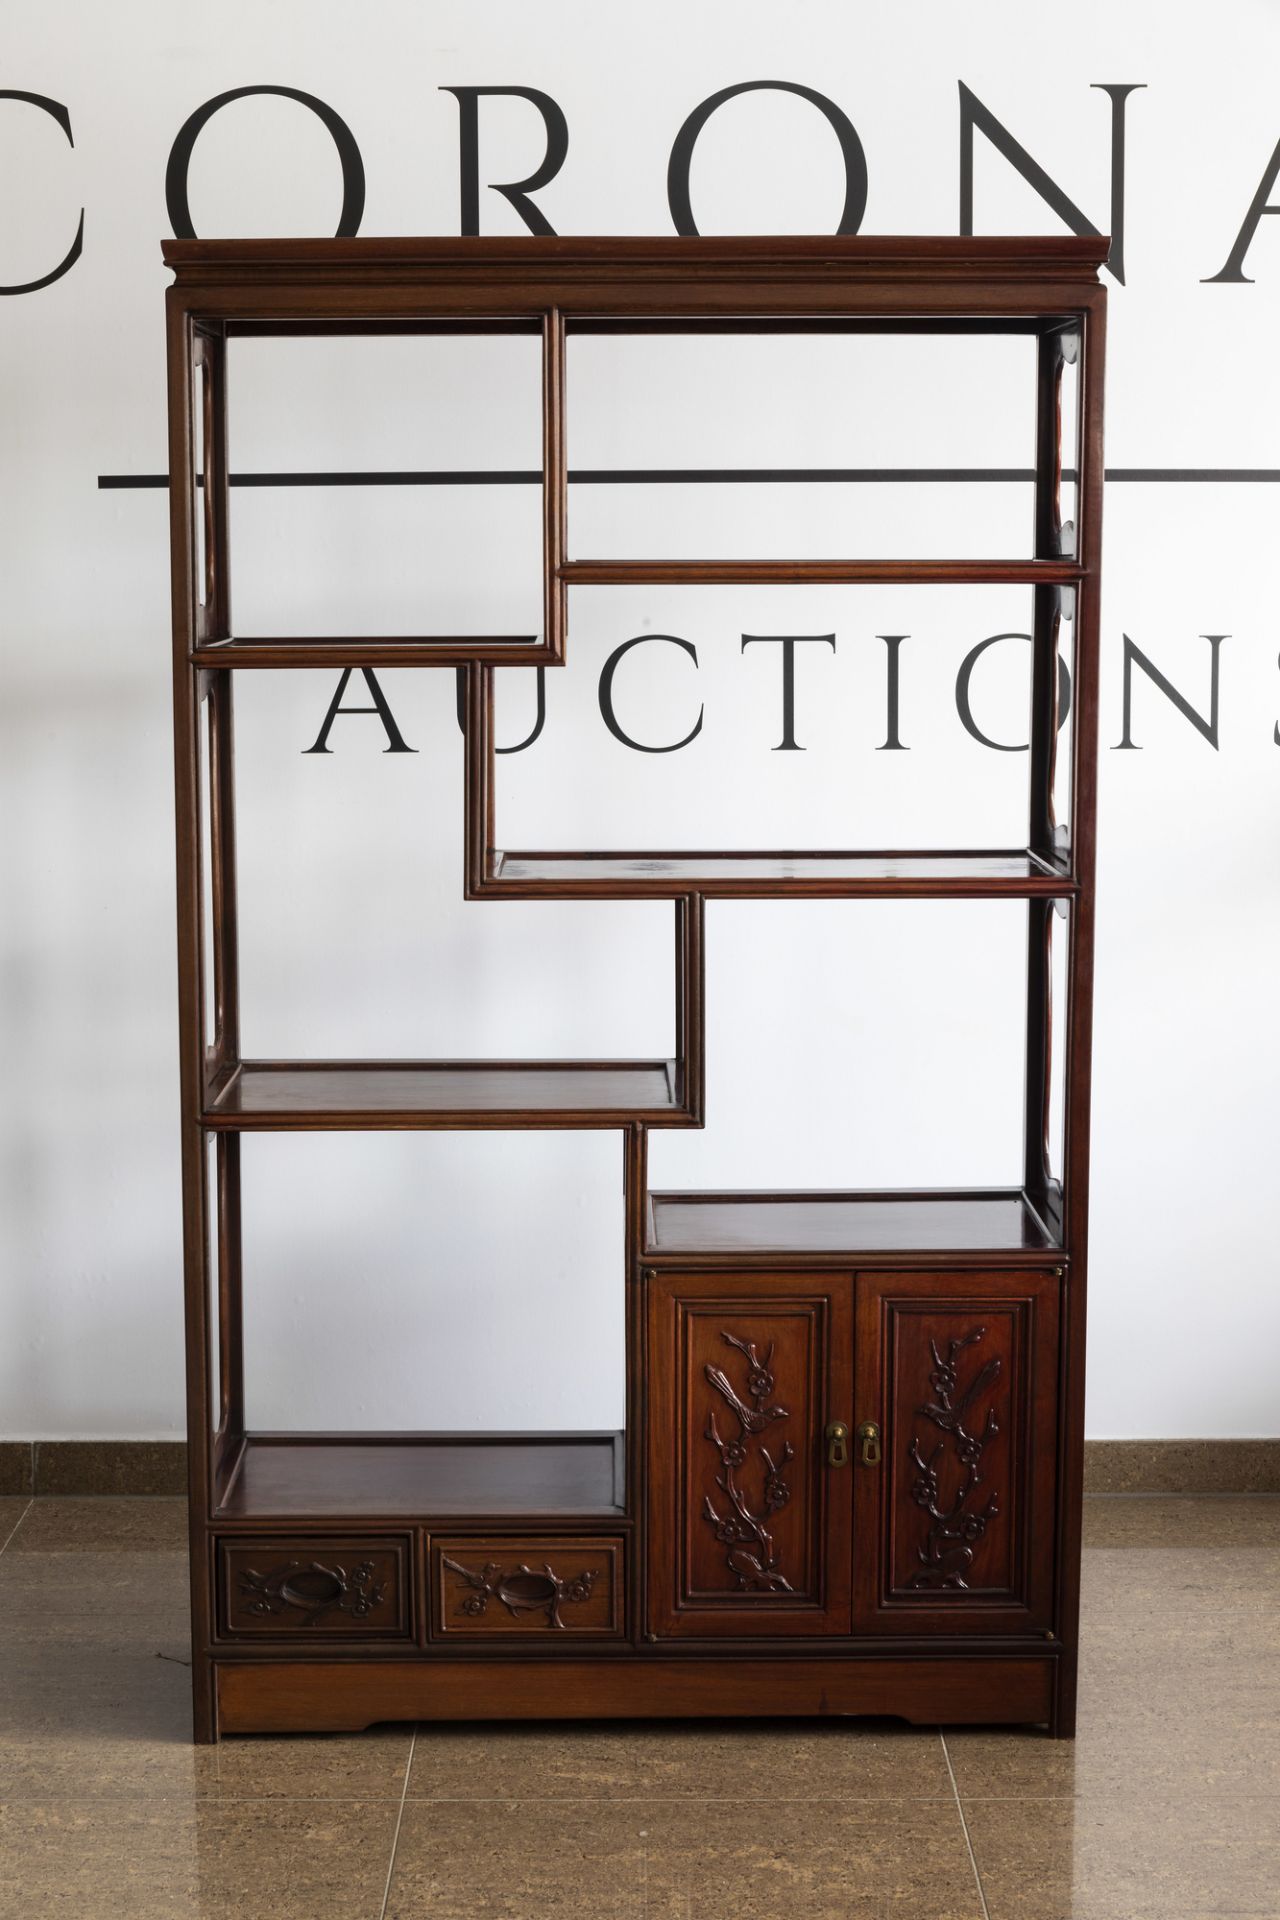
<point x="869" y="1435"/>
<point x="837" y="1444"/>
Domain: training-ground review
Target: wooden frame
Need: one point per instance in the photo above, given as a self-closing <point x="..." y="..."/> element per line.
<point x="349" y="1634"/>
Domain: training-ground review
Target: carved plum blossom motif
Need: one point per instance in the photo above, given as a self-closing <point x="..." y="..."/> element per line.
<point x="523" y="1590"/>
<point x="752" y="1555"/>
<point x="954" y="1531"/>
<point x="313" y="1590"/>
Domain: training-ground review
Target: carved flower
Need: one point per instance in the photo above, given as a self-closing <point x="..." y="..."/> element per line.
<point x="776" y="1494"/>
<point x="731" y="1532"/>
<point x="733" y="1453"/>
<point x="759" y="1383"/>
<point x="475" y="1603"/>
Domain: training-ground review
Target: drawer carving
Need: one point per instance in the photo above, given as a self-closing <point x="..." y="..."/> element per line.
<point x="320" y="1588"/>
<point x="527" y="1585"/>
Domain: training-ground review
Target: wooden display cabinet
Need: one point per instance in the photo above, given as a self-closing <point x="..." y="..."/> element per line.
<point x="850" y="1480"/>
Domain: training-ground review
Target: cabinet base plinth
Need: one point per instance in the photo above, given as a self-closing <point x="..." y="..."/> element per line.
<point x="344" y="1696"/>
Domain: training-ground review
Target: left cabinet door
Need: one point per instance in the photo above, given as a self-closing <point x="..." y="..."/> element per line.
<point x="748" y="1519"/>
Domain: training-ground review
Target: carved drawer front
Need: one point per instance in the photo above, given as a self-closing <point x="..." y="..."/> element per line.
<point x="315" y="1588"/>
<point x="953" y="1525"/>
<point x="522" y="1586"/>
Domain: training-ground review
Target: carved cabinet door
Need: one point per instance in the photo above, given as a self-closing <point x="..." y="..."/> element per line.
<point x="749" y="1524"/>
<point x="953" y="1524"/>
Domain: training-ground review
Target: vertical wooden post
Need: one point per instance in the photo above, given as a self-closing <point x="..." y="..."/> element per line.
<point x="191" y="965"/>
<point x="1079" y="1036"/>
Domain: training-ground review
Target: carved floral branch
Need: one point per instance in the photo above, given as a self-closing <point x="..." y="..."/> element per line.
<point x="745" y="1531"/>
<point x="947" y="1554"/>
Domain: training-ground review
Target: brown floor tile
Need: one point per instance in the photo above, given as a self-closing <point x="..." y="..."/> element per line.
<point x="94" y="1525"/>
<point x="42" y="1587"/>
<point x="162" y="1860"/>
<point x="1130" y="1589"/>
<point x="93" y="1712"/>
<point x="659" y="1860"/>
<point x="1161" y="1520"/>
<point x="1128" y="1856"/>
<point x="12" y="1509"/>
<point x="730" y="1761"/>
<point x="1119" y="1752"/>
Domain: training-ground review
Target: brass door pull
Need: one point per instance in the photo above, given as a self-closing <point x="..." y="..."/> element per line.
<point x="869" y="1435"/>
<point x="837" y="1444"/>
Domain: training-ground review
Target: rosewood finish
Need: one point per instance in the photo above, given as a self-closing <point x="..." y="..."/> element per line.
<point x="850" y="1476"/>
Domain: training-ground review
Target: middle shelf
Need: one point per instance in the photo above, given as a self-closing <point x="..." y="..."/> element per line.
<point x="1018" y="874"/>
<point x="351" y="1095"/>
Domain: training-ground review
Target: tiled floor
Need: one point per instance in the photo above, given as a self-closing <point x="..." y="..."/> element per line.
<point x="1167" y="1805"/>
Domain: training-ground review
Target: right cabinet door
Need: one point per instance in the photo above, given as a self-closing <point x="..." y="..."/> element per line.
<point x="954" y="1520"/>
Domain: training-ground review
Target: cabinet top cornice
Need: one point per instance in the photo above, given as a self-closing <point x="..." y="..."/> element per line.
<point x="533" y="260"/>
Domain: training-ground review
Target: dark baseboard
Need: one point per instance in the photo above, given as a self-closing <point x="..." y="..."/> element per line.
<point x="93" y="1466"/>
<point x="1110" y="1466"/>
<point x="1182" y="1466"/>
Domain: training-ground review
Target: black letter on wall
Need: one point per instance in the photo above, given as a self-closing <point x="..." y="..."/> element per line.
<point x="518" y="191"/>
<point x="607" y="713"/>
<point x="964" y="707"/>
<point x="893" y="641"/>
<point x="175" y="179"/>
<point x="379" y="707"/>
<point x="789" y="643"/>
<point x="855" y="160"/>
<point x="58" y="112"/>
<point x="1209" y="727"/>
<point x="974" y="114"/>
<point x="1234" y="268"/>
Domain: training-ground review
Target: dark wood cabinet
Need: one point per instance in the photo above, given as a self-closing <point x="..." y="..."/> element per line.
<point x="851" y="1473"/>
<point x="749" y="1523"/>
<point x="958" y="1373"/>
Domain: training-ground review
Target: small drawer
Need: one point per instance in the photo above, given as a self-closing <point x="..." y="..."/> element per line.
<point x="323" y="1588"/>
<point x="522" y="1585"/>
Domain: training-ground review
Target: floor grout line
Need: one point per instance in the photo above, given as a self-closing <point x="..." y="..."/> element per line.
<point x="395" y="1838"/>
<point x="17" y="1523"/>
<point x="964" y="1826"/>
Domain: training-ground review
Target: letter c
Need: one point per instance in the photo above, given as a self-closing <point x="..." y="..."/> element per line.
<point x="606" y="693"/>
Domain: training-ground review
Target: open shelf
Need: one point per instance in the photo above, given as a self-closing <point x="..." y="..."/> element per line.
<point x="387" y="650"/>
<point x="953" y="1221"/>
<point x="731" y="572"/>
<point x="1018" y="874"/>
<point x="356" y="1094"/>
<point x="425" y="1476"/>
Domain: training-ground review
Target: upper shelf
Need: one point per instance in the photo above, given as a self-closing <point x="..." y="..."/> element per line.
<point x="359" y="1095"/>
<point x="744" y="876"/>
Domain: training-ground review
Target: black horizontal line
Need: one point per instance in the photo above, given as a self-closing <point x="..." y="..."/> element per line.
<point x="697" y="476"/>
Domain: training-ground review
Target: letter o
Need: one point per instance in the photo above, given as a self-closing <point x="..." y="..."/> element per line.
<point x="855" y="160"/>
<point x="175" y="178"/>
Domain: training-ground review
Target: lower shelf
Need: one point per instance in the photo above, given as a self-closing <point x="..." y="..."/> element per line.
<point x="959" y="1221"/>
<point x="426" y="1477"/>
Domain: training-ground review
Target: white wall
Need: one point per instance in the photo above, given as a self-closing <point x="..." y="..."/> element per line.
<point x="355" y="935"/>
